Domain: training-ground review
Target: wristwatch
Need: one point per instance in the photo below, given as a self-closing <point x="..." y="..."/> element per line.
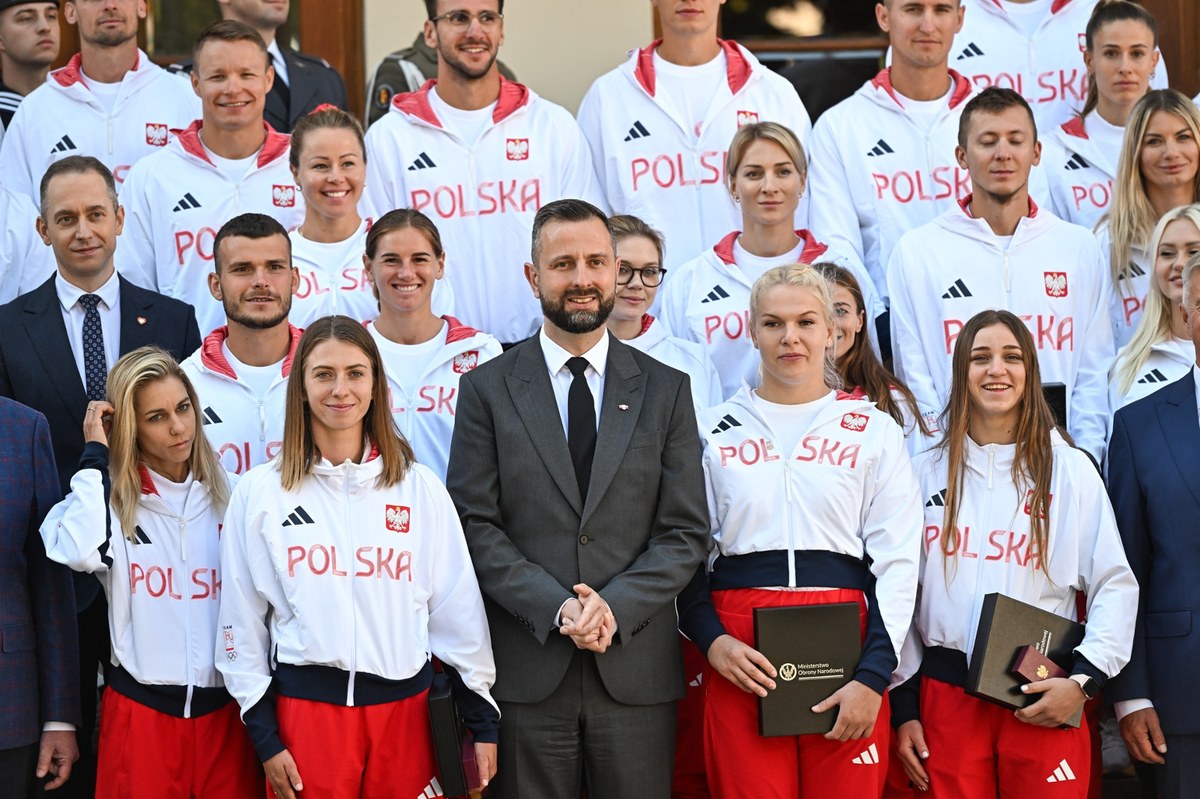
<point x="1086" y="684"/>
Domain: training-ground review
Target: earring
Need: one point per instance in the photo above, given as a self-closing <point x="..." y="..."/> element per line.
<point x="1152" y="74"/>
<point x="736" y="198"/>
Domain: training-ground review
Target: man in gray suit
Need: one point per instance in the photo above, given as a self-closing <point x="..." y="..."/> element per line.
<point x="575" y="466"/>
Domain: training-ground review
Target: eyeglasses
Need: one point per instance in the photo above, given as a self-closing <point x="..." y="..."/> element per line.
<point x="461" y="20"/>
<point x="651" y="275"/>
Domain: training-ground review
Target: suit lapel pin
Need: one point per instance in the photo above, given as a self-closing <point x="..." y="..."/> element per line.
<point x="141" y="320"/>
<point x="623" y="407"/>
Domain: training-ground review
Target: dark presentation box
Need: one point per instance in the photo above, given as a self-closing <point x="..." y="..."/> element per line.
<point x="815" y="649"/>
<point x="451" y="742"/>
<point x="1008" y="628"/>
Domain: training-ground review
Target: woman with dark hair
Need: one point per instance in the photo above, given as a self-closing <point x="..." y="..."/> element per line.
<point x="813" y="501"/>
<point x="1013" y="508"/>
<point x="858" y="363"/>
<point x="345" y="571"/>
<point x="425" y="354"/>
<point x="144" y="515"/>
<point x="329" y="163"/>
<point x="1080" y="157"/>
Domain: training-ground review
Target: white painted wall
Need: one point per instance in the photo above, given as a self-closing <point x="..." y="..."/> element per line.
<point x="556" y="47"/>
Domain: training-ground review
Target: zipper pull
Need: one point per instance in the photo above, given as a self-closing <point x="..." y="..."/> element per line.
<point x="262" y="420"/>
<point x="991" y="463"/>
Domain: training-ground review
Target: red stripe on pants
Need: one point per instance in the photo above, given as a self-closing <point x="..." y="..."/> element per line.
<point x="370" y="752"/>
<point x="978" y="750"/>
<point x="144" y="752"/>
<point x="741" y="763"/>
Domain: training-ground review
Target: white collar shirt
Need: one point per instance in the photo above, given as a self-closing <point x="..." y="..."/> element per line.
<point x="561" y="377"/>
<point x="281" y="71"/>
<point x="73" y="313"/>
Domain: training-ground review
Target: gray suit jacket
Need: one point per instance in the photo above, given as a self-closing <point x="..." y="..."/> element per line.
<point x="637" y="540"/>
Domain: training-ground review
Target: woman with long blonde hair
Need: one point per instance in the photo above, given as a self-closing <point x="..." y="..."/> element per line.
<point x="813" y="501"/>
<point x="1160" y="350"/>
<point x="346" y="571"/>
<point x="144" y="515"/>
<point x="1011" y="508"/>
<point x="1159" y="169"/>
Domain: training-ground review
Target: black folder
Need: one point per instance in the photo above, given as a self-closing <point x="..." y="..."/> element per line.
<point x="1005" y="626"/>
<point x="447" y="726"/>
<point x="815" y="649"/>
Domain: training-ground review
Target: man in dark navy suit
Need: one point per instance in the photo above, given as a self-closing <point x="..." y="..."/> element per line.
<point x="39" y="693"/>
<point x="1154" y="483"/>
<point x="58" y="343"/>
<point x="302" y="82"/>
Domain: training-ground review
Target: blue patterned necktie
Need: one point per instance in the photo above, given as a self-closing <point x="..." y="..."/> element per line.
<point x="94" y="366"/>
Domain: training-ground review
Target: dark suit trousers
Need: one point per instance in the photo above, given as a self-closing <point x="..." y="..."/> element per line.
<point x="580" y="736"/>
<point x="1180" y="777"/>
<point x="16" y="769"/>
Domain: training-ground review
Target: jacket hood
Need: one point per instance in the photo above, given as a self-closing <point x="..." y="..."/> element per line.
<point x="738" y="70"/>
<point x="360" y="475"/>
<point x="880" y="91"/>
<point x="1073" y="136"/>
<point x="960" y="221"/>
<point x="274" y="146"/>
<point x="811" y="249"/>
<point x="513" y="97"/>
<point x="213" y="358"/>
<point x="997" y="459"/>
<point x="72" y="73"/>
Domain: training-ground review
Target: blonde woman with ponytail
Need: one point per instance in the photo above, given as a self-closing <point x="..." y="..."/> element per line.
<point x="1161" y="350"/>
<point x="1011" y="507"/>
<point x="144" y="515"/>
<point x="1159" y="169"/>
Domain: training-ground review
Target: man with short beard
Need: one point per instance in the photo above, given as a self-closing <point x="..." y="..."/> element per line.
<point x="479" y="155"/>
<point x="110" y="101"/>
<point x="302" y="82"/>
<point x="244" y="364"/>
<point x="29" y="35"/>
<point x="575" y="467"/>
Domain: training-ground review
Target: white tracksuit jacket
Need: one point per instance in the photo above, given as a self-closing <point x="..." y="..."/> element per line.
<point x="1047" y="68"/>
<point x="482" y="195"/>
<point x="1051" y="275"/>
<point x="707" y="300"/>
<point x="994" y="555"/>
<point x="689" y="357"/>
<point x="652" y="164"/>
<point x="243" y="429"/>
<point x="177" y="200"/>
<point x="876" y="173"/>
<point x="1128" y="298"/>
<point x="847" y="493"/>
<point x="426" y="415"/>
<point x="1168" y="361"/>
<point x="1079" y="172"/>
<point x="340" y="573"/>
<point x="163" y="591"/>
<point x="26" y="262"/>
<point x="64" y="118"/>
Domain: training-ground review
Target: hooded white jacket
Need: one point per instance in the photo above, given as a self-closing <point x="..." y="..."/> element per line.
<point x="162" y="590"/>
<point x="1046" y="68"/>
<point x="367" y="582"/>
<point x="177" y="200"/>
<point x="1168" y="361"/>
<point x="1051" y="275"/>
<point x="995" y="555"/>
<point x="1128" y="298"/>
<point x="652" y="164"/>
<point x="843" y="504"/>
<point x="423" y="405"/>
<point x="1080" y="173"/>
<point x="482" y="195"/>
<point x="62" y="117"/>
<point x="688" y="357"/>
<point x="243" y="429"/>
<point x="26" y="262"/>
<point x="877" y="172"/>
<point x="707" y="300"/>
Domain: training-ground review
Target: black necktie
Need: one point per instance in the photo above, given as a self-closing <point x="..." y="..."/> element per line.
<point x="581" y="424"/>
<point x="280" y="86"/>
<point x="95" y="368"/>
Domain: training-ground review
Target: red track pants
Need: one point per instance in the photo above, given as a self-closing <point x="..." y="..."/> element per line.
<point x="978" y="750"/>
<point x="145" y="752"/>
<point x="370" y="752"/>
<point x="743" y="764"/>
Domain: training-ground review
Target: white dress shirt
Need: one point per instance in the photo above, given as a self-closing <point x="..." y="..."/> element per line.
<point x="561" y="377"/>
<point x="281" y="70"/>
<point x="109" y="308"/>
